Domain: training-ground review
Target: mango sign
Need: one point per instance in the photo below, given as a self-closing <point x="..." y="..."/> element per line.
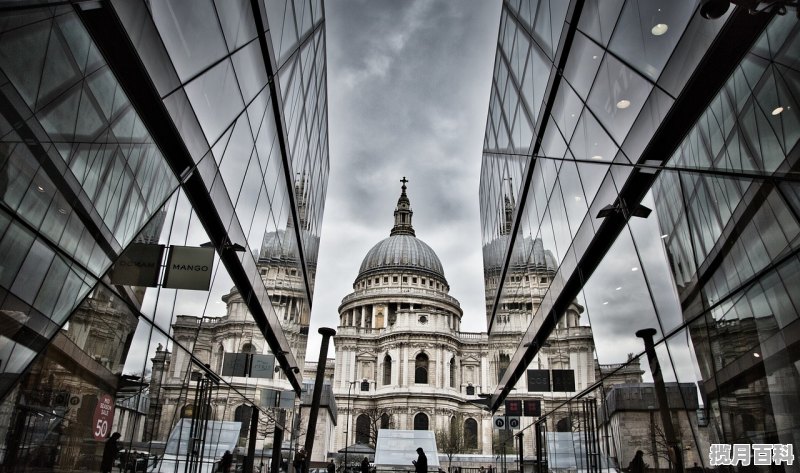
<point x="103" y="416"/>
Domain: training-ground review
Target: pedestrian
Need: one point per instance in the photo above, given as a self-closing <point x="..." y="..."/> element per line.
<point x="300" y="460"/>
<point x="421" y="463"/>
<point x="110" y="452"/>
<point x="225" y="462"/>
<point x="331" y="467"/>
<point x="637" y="465"/>
<point x="365" y="465"/>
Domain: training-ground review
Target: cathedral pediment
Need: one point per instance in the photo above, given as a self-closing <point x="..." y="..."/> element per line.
<point x="366" y="355"/>
<point x="470" y="360"/>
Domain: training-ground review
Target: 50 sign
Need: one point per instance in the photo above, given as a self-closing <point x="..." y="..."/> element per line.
<point x="101" y="429"/>
<point x="103" y="416"/>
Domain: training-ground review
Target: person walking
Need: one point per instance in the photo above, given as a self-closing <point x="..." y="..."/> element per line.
<point x="637" y="465"/>
<point x="331" y="467"/>
<point x="421" y="463"/>
<point x="226" y="462"/>
<point x="365" y="465"/>
<point x="110" y="452"/>
<point x="300" y="461"/>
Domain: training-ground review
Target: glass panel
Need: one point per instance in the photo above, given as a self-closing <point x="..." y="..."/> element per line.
<point x="590" y="142"/>
<point x="216" y="99"/>
<point x="191" y="33"/>
<point x="617" y="97"/>
<point x="582" y="64"/>
<point x="619" y="302"/>
<point x="251" y="74"/>
<point x="236" y="18"/>
<point x="648" y="32"/>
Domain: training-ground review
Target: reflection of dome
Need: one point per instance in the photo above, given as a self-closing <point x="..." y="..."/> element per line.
<point x="402" y="252"/>
<point x="276" y="245"/>
<point x="280" y="246"/>
<point x="528" y="253"/>
<point x="539" y="257"/>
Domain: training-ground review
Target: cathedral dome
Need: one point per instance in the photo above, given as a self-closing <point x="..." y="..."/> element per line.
<point x="281" y="247"/>
<point x="402" y="252"/>
<point x="278" y="245"/>
<point x="527" y="253"/>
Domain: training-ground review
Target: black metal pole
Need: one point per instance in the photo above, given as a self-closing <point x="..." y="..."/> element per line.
<point x="326" y="333"/>
<point x="661" y="394"/>
<point x="347" y="431"/>
<point x="249" y="460"/>
<point x="192" y="444"/>
<point x="203" y="423"/>
<point x="503" y="460"/>
<point x="541" y="438"/>
<point x="521" y="464"/>
<point x="277" y="442"/>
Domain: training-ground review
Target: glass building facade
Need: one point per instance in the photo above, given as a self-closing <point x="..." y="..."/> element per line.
<point x="163" y="171"/>
<point x="654" y="153"/>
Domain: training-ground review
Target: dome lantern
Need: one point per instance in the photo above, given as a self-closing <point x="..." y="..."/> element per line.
<point x="403" y="213"/>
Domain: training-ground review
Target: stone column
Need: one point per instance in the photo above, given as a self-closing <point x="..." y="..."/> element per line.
<point x="404" y="378"/>
<point x="439" y="369"/>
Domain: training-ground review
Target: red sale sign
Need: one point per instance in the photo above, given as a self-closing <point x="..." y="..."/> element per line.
<point x="103" y="416"/>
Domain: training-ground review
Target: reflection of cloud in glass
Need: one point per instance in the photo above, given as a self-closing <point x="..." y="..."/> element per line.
<point x="619" y="301"/>
<point x="629" y="307"/>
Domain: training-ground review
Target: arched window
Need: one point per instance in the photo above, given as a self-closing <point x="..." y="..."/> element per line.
<point x="242" y="414"/>
<point x="420" y="422"/>
<point x="248" y="348"/>
<point x="384" y="421"/>
<point x="421" y="369"/>
<point x="470" y="433"/>
<point x="362" y="429"/>
<point x="220" y="356"/>
<point x="387" y="370"/>
<point x="452" y="372"/>
<point x="502" y="365"/>
<point x="564" y="425"/>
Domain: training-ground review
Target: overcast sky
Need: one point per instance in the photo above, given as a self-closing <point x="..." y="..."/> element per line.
<point x="408" y="94"/>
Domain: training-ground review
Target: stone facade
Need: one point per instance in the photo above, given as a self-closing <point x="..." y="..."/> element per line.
<point x="403" y="362"/>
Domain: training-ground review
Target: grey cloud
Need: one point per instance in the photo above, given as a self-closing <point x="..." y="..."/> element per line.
<point x="408" y="91"/>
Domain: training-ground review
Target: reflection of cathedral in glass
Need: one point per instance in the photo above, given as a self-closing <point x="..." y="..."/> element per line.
<point x="129" y="137"/>
<point x="232" y="345"/>
<point x="670" y="205"/>
<point x="400" y="344"/>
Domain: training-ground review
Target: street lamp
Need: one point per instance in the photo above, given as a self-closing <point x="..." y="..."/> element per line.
<point x="347" y="431"/>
